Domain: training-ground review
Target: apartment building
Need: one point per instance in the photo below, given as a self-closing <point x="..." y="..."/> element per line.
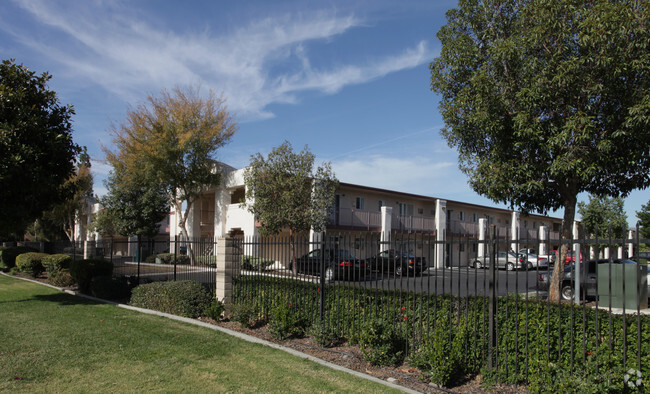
<point x="360" y="211"/>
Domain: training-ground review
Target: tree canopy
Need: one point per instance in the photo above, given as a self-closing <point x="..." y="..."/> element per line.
<point x="604" y="217"/>
<point x="545" y="99"/>
<point x="36" y="147"/>
<point x="172" y="140"/>
<point x="133" y="207"/>
<point x="285" y="191"/>
<point x="644" y="220"/>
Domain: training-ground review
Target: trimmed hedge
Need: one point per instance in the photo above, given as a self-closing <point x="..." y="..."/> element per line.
<point x="8" y="255"/>
<point x="255" y="263"/>
<point x="83" y="271"/>
<point x="110" y="288"/>
<point x="56" y="262"/>
<point x="30" y="263"/>
<point x="168" y="258"/>
<point x="182" y="298"/>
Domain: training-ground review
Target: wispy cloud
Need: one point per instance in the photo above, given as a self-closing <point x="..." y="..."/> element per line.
<point x="127" y="54"/>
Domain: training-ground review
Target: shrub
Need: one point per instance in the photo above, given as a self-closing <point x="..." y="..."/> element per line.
<point x="381" y="343"/>
<point x="287" y="321"/>
<point x="151" y="259"/>
<point x="56" y="262"/>
<point x="255" y="263"/>
<point x="324" y="334"/>
<point x="243" y="313"/>
<point x="168" y="258"/>
<point x="110" y="288"/>
<point x="182" y="298"/>
<point x="83" y="271"/>
<point x="61" y="279"/>
<point x="208" y="261"/>
<point x="8" y="255"/>
<point x="214" y="310"/>
<point x="30" y="263"/>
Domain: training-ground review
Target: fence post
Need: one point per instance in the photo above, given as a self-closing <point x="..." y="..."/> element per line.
<point x="226" y="270"/>
<point x="492" y="297"/>
<point x="322" y="277"/>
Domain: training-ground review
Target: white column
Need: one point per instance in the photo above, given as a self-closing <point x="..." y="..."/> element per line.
<point x="514" y="231"/>
<point x="543" y="233"/>
<point x="441" y="230"/>
<point x="386" y="227"/>
<point x="630" y="246"/>
<point x="221" y="202"/>
<point x="482" y="230"/>
<point x="578" y="263"/>
<point x="315" y="239"/>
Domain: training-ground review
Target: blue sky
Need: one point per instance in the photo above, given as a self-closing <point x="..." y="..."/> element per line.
<point x="349" y="79"/>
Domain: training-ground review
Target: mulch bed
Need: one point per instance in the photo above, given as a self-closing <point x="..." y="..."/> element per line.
<point x="351" y="357"/>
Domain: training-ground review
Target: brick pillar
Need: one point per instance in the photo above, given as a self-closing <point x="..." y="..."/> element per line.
<point x="227" y="268"/>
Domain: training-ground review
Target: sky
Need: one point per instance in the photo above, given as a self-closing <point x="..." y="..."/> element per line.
<point x="348" y="79"/>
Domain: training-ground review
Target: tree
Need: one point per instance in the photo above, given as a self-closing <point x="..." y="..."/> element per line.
<point x="172" y="141"/>
<point x="80" y="185"/>
<point x="131" y="206"/>
<point x="545" y="99"/>
<point x="644" y="220"/>
<point x="604" y="217"/>
<point x="36" y="148"/>
<point x="284" y="191"/>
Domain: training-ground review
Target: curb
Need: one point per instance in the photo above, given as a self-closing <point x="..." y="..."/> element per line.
<point x="236" y="334"/>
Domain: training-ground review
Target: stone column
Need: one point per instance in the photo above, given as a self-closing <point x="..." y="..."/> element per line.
<point x="226" y="270"/>
<point x="630" y="246"/>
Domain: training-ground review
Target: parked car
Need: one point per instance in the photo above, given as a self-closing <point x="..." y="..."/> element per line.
<point x="589" y="281"/>
<point x="507" y="260"/>
<point x="534" y="261"/>
<point x="571" y="257"/>
<point x="339" y="264"/>
<point x="398" y="262"/>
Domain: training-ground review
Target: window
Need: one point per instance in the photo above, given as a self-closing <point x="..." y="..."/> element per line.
<point x="359" y="203"/>
<point x="420" y="211"/>
<point x="382" y="203"/>
<point x="461" y="216"/>
<point x="474" y="217"/>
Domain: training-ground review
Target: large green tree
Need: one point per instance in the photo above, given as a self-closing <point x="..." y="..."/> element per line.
<point x="544" y="99"/>
<point x="131" y="206"/>
<point x="286" y="192"/>
<point x="644" y="220"/>
<point x="37" y="153"/>
<point x="604" y="217"/>
<point x="172" y="140"/>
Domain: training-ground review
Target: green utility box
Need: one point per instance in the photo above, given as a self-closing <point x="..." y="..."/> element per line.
<point x="627" y="274"/>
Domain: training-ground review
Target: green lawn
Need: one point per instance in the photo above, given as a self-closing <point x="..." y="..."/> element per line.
<point x="54" y="342"/>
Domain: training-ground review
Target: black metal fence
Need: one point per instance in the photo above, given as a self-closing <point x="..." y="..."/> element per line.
<point x="438" y="296"/>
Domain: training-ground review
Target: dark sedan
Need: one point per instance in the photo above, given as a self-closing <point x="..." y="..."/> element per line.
<point x="398" y="262"/>
<point x="339" y="264"/>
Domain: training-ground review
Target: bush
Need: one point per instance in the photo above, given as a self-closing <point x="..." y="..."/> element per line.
<point x="324" y="334"/>
<point x="214" y="310"/>
<point x="168" y="258"/>
<point x="208" y="261"/>
<point x="287" y="321"/>
<point x="110" y="288"/>
<point x="182" y="298"/>
<point x="30" y="263"/>
<point x="8" y="255"/>
<point x="61" y="279"/>
<point x="381" y="343"/>
<point x="255" y="263"/>
<point x="54" y="263"/>
<point x="243" y="313"/>
<point x="151" y="259"/>
<point x="83" y="271"/>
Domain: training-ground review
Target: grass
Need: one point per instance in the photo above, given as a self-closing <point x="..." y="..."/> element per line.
<point x="54" y="342"/>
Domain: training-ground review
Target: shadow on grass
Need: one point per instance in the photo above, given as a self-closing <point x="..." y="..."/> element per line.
<point x="66" y="299"/>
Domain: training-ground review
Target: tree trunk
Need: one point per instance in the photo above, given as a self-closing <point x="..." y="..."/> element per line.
<point x="182" y="224"/>
<point x="567" y="234"/>
<point x="294" y="266"/>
